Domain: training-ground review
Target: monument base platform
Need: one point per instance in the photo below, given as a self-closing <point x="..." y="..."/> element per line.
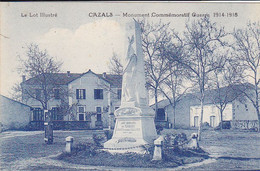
<point x="115" y="146"/>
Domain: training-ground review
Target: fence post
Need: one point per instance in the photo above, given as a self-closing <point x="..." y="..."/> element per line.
<point x="48" y="127"/>
<point x="69" y="144"/>
<point x="158" y="143"/>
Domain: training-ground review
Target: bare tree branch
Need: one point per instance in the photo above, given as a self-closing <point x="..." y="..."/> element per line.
<point x="247" y="50"/>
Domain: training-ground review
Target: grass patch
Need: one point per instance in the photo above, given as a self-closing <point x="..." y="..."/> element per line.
<point x="171" y="158"/>
<point x="91" y="154"/>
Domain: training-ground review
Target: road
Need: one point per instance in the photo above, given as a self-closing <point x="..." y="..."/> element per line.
<point x="21" y="150"/>
<point x="231" y="150"/>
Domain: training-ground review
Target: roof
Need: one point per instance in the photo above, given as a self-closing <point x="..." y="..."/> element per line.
<point x="115" y="80"/>
<point x="64" y="79"/>
<point x="56" y="78"/>
<point x="210" y="95"/>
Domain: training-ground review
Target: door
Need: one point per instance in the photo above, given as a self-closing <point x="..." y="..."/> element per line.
<point x="161" y="114"/>
<point x="81" y="117"/>
<point x="196" y="121"/>
<point x="212" y="121"/>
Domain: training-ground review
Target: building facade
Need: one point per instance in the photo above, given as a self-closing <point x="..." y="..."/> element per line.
<point x="211" y="115"/>
<point x="238" y="113"/>
<point x="87" y="98"/>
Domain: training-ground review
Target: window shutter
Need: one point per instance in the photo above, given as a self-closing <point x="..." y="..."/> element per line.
<point x="101" y="93"/>
<point x="84" y="93"/>
<point x="77" y="93"/>
<point x="95" y="93"/>
<point x="119" y="92"/>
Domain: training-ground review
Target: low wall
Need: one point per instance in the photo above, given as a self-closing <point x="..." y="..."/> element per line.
<point x="244" y="124"/>
<point x="163" y="124"/>
<point x="61" y="125"/>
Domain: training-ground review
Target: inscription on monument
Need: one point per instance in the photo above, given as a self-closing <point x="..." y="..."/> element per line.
<point x="128" y="127"/>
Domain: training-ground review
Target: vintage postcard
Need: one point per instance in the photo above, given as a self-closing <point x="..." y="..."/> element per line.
<point x="129" y="85"/>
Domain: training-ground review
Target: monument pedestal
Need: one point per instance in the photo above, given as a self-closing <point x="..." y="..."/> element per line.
<point x="134" y="128"/>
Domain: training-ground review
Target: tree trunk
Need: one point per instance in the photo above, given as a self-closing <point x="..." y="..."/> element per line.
<point x="174" y="115"/>
<point x="258" y="114"/>
<point x="201" y="119"/>
<point x="221" y="119"/>
<point x="258" y="123"/>
<point x="156" y="102"/>
<point x="256" y="101"/>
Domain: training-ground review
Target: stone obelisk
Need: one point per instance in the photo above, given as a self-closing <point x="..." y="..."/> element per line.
<point x="134" y="119"/>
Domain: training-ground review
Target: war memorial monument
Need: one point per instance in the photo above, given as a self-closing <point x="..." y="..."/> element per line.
<point x="134" y="119"/>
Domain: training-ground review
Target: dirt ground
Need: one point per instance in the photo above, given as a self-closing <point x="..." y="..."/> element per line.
<point x="229" y="149"/>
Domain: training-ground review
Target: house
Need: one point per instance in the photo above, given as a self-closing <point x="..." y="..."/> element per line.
<point x="13" y="114"/>
<point x="238" y="113"/>
<point x="87" y="99"/>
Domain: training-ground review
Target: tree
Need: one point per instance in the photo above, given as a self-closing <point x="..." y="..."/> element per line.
<point x="247" y="51"/>
<point x="155" y="38"/>
<point x="115" y="65"/>
<point x="173" y="86"/>
<point x="226" y="83"/>
<point x="71" y="110"/>
<point x="40" y="65"/>
<point x="16" y="92"/>
<point x="203" y="42"/>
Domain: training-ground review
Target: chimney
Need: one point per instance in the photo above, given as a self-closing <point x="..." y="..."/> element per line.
<point x="104" y="74"/>
<point x="68" y="73"/>
<point x="23" y="78"/>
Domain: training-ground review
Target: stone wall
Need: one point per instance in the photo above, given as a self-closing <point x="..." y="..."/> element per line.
<point x="244" y="124"/>
<point x="61" y="125"/>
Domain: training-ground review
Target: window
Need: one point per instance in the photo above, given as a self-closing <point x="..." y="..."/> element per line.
<point x="99" y="111"/>
<point x="56" y="115"/>
<point x="98" y="93"/>
<point x="81" y="93"/>
<point x="54" y="112"/>
<point x="56" y="94"/>
<point x="38" y="93"/>
<point x="37" y="114"/>
<point x="116" y="108"/>
<point x="119" y="92"/>
<point x="161" y="114"/>
<point x="81" y="109"/>
<point x="81" y="112"/>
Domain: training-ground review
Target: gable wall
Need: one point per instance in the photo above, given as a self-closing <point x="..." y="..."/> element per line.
<point x="13" y="114"/>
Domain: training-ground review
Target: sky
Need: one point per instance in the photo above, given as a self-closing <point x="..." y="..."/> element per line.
<point x="84" y="41"/>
